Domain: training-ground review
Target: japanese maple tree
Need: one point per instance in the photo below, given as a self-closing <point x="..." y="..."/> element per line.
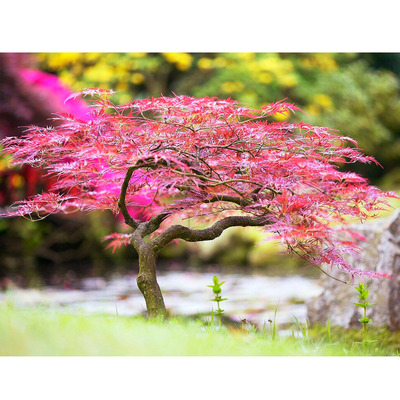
<point x="212" y="161"/>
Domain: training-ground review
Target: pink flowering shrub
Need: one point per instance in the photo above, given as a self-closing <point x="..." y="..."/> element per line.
<point x="50" y="90"/>
<point x="29" y="95"/>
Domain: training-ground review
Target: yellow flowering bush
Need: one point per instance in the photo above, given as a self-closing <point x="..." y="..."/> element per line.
<point x="183" y="61"/>
<point x="332" y="89"/>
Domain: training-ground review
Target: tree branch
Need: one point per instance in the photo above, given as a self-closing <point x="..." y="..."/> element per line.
<point x="154" y="223"/>
<point x="230" y="199"/>
<point x="197" y="235"/>
<point x="121" y="202"/>
<point x="220" y="197"/>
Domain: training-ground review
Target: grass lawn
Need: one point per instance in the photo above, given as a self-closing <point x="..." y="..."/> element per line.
<point x="42" y="332"/>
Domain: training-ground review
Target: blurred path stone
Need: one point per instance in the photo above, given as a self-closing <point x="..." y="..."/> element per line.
<point x="251" y="297"/>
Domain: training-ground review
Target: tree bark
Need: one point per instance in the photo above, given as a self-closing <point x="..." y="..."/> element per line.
<point x="147" y="283"/>
<point x="147" y="251"/>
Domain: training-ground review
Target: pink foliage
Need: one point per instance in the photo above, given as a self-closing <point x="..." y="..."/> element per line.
<point x="116" y="240"/>
<point x="50" y="88"/>
<point x="205" y="158"/>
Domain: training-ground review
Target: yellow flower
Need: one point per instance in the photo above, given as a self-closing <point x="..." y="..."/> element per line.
<point x="283" y="116"/>
<point x="245" y="56"/>
<point x="276" y="68"/>
<point x="122" y="75"/>
<point x="321" y="61"/>
<point x="61" y="60"/>
<point x="288" y="80"/>
<point x="204" y="63"/>
<point x="323" y="101"/>
<point x="183" y="61"/>
<point x="68" y="78"/>
<point x="265" y="77"/>
<point x="326" y="62"/>
<point x="270" y="64"/>
<point x="229" y="87"/>
<point x="137" y="78"/>
<point x="91" y="57"/>
<point x="100" y="73"/>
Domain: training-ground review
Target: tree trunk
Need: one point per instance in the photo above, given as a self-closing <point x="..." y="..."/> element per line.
<point x="147" y="283"/>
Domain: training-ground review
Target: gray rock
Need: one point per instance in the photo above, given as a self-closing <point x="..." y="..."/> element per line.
<point x="381" y="253"/>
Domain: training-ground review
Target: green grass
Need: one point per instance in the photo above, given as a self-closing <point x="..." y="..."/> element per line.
<point x="41" y="332"/>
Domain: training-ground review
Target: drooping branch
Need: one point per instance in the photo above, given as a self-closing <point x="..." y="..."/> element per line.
<point x="197" y="235"/>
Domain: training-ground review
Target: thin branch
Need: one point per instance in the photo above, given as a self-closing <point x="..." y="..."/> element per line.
<point x="219" y="197"/>
<point x="330" y="276"/>
<point x="218" y="183"/>
<point x="314" y="265"/>
<point x="230" y="199"/>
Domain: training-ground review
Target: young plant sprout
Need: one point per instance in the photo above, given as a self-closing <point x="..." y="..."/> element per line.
<point x="364" y="304"/>
<point x="212" y="161"/>
<point x="216" y="288"/>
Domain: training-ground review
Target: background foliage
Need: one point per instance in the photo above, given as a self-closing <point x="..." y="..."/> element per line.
<point x="358" y="94"/>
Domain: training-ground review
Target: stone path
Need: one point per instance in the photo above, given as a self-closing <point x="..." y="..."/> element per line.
<point x="250" y="297"/>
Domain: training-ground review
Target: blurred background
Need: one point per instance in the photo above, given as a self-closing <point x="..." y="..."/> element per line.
<point x="357" y="94"/>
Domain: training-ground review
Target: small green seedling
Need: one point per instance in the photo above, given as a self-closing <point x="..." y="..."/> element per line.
<point x="364" y="304"/>
<point x="216" y="288"/>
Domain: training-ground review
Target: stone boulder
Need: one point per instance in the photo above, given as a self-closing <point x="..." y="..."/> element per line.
<point x="381" y="252"/>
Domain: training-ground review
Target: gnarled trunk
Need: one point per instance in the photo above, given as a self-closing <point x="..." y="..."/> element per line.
<point x="147" y="277"/>
<point x="147" y="283"/>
